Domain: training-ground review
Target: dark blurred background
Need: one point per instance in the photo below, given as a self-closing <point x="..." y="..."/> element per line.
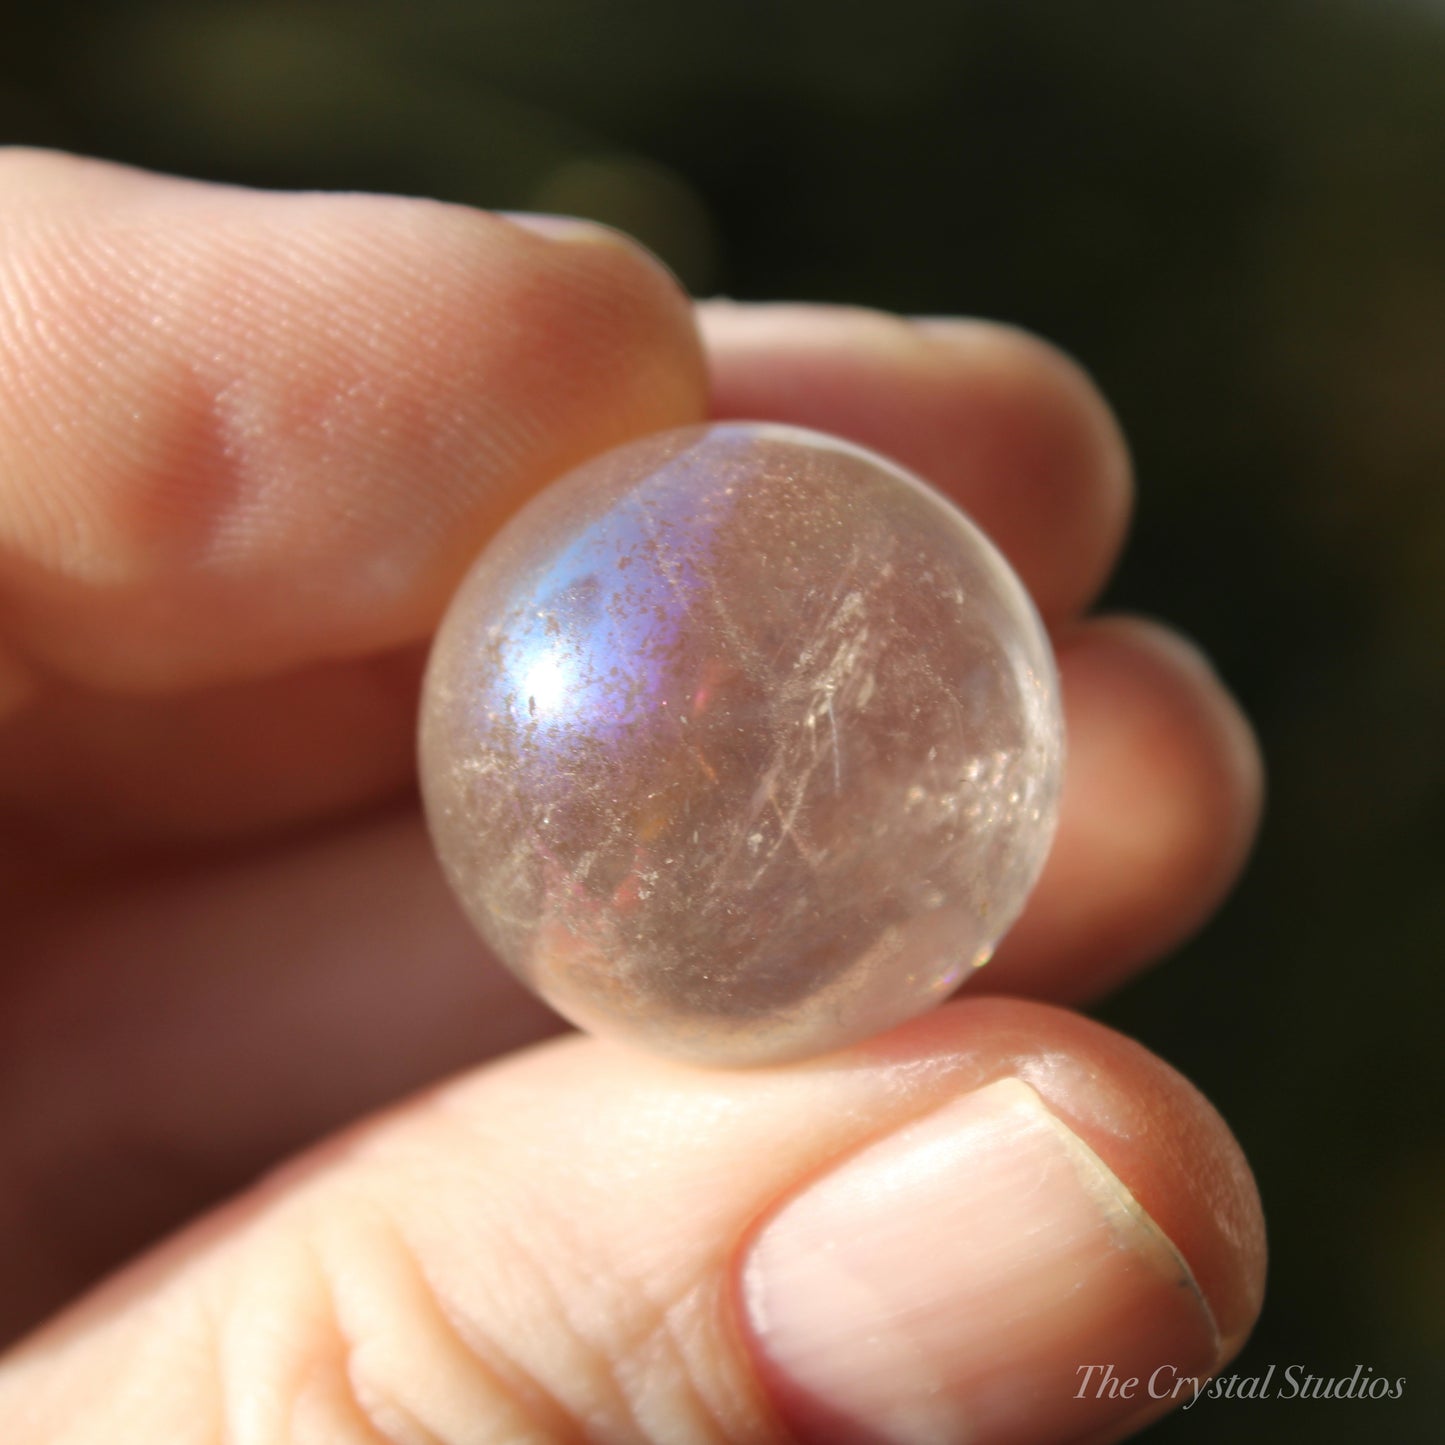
<point x="1233" y="211"/>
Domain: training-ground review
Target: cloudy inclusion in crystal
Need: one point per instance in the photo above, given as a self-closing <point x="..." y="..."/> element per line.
<point x="739" y="743"/>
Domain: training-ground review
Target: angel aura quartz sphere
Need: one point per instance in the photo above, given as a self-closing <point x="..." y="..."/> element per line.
<point x="741" y="744"/>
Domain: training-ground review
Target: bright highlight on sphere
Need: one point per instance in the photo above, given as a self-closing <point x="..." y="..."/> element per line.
<point x="739" y="743"/>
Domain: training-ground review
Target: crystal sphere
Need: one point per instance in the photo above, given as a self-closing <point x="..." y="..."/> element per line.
<point x="740" y="743"/>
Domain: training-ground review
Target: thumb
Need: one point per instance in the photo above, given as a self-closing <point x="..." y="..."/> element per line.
<point x="933" y="1237"/>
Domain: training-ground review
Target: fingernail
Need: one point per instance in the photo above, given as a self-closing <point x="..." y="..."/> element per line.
<point x="568" y="229"/>
<point x="957" y="1280"/>
<point x="574" y="231"/>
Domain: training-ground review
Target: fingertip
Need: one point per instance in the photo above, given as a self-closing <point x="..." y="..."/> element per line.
<point x="1152" y="1126"/>
<point x="1157" y="1132"/>
<point x="1238" y="784"/>
<point x="1068" y="1204"/>
<point x="1198" y="775"/>
<point x="1161" y="802"/>
<point x="1073" y="429"/>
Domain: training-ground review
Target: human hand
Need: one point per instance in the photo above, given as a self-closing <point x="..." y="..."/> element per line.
<point x="248" y="443"/>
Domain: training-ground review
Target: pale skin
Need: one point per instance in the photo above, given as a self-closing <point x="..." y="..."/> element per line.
<point x="248" y="443"/>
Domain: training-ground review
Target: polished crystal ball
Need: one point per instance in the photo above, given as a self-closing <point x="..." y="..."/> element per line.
<point x="740" y="743"/>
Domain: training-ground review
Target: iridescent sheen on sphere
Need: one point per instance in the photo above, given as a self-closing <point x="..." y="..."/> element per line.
<point x="740" y="743"/>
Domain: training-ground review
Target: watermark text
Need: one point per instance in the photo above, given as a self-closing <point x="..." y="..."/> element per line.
<point x="1293" y="1382"/>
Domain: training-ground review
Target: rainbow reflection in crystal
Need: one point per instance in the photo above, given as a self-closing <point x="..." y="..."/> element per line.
<point x="740" y="743"/>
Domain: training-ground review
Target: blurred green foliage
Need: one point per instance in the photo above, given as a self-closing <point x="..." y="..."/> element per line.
<point x="1233" y="211"/>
